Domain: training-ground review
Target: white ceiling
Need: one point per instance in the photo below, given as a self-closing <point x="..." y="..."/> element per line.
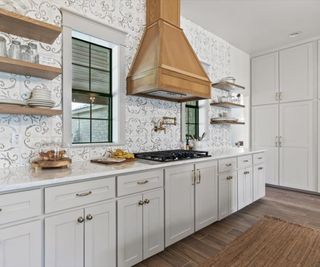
<point x="256" y="25"/>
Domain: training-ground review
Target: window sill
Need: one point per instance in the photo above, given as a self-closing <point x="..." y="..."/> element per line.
<point x="96" y="145"/>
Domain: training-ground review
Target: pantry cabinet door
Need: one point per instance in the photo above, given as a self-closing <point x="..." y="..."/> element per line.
<point x="265" y="79"/>
<point x="179" y="204"/>
<point x="298" y="145"/>
<point x="259" y="183"/>
<point x="265" y="129"/>
<point x="206" y="194"/>
<point x="100" y="235"/>
<point x="64" y="242"/>
<point x="153" y="223"/>
<point x="21" y="245"/>
<point x="130" y="231"/>
<point x="298" y="67"/>
<point x="245" y="188"/>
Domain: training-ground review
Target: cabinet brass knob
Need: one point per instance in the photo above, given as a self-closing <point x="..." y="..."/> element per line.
<point x="89" y="217"/>
<point x="146" y="201"/>
<point x="80" y="220"/>
<point x="84" y="194"/>
<point x="141" y="202"/>
<point x="260" y="168"/>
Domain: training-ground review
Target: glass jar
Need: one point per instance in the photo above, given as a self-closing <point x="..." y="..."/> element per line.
<point x="14" y="50"/>
<point x="34" y="55"/>
<point x="3" y="47"/>
<point x="25" y="53"/>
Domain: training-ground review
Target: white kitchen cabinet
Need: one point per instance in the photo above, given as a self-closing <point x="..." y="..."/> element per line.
<point x="265" y="129"/>
<point x="100" y="236"/>
<point x="298" y="67"/>
<point x="140" y="227"/>
<point x="228" y="193"/>
<point x="21" y="245"/>
<point x="206" y="194"/>
<point x="319" y="70"/>
<point x="66" y="236"/>
<point x="130" y="230"/>
<point x="153" y="223"/>
<point x="179" y="209"/>
<point x="245" y="187"/>
<point x="297" y="150"/>
<point x="265" y="80"/>
<point x="259" y="183"/>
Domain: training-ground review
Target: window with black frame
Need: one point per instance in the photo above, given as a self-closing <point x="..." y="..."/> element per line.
<point x="192" y="118"/>
<point x="91" y="93"/>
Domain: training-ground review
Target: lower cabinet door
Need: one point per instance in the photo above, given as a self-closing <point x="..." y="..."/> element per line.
<point x="153" y="223"/>
<point x="179" y="204"/>
<point x="206" y="195"/>
<point x="21" y="245"/>
<point x="100" y="235"/>
<point x="228" y="193"/>
<point x="64" y="244"/>
<point x="245" y="188"/>
<point x="130" y="230"/>
<point x="259" y="182"/>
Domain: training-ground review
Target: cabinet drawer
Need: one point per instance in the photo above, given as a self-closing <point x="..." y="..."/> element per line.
<point x="229" y="164"/>
<point x="18" y="206"/>
<point x="73" y="195"/>
<point x="244" y="162"/>
<point x="258" y="158"/>
<point x="137" y="182"/>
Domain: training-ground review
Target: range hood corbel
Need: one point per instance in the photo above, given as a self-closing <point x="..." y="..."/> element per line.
<point x="165" y="66"/>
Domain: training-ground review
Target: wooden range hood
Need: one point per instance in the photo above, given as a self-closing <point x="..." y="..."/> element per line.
<point x="165" y="66"/>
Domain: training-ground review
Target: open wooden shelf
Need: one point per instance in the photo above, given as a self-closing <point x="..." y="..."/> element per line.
<point x="15" y="109"/>
<point x="26" y="68"/>
<point x="226" y="122"/>
<point x="227" y="105"/>
<point x="228" y="86"/>
<point x="23" y="26"/>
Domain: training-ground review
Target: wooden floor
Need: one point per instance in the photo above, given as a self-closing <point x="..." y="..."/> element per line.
<point x="288" y="205"/>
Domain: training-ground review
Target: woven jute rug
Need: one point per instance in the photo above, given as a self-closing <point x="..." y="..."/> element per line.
<point x="272" y="242"/>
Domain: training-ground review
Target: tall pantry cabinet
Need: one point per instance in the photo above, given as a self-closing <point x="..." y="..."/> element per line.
<point x="284" y="115"/>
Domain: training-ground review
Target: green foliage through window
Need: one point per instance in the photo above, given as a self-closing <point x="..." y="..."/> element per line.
<point x="192" y="118"/>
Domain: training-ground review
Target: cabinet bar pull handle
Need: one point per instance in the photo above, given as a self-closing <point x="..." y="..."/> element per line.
<point x="246" y="160"/>
<point x="229" y="177"/>
<point x="276" y="141"/>
<point x="260" y="158"/>
<point x="80" y="220"/>
<point x="199" y="177"/>
<point x="146" y="201"/>
<point x="228" y="165"/>
<point x="260" y="168"/>
<point x="84" y="194"/>
<point x="140" y="203"/>
<point x="89" y="217"/>
<point x="0" y="210"/>
<point x="193" y="177"/>
<point x="246" y="172"/>
<point x="142" y="182"/>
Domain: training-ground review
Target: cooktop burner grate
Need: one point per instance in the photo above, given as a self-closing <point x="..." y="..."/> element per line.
<point x="172" y="155"/>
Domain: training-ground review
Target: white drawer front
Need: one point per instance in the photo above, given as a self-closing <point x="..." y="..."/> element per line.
<point x="258" y="158"/>
<point x="244" y="162"/>
<point x="138" y="182"/>
<point x="229" y="164"/>
<point x="73" y="195"/>
<point x="21" y="205"/>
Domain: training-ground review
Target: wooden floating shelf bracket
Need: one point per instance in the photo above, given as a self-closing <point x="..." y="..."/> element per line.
<point x="227" y="105"/>
<point x="27" y="27"/>
<point x="226" y="122"/>
<point x="228" y="86"/>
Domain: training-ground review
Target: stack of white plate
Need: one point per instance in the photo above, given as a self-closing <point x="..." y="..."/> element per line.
<point x="41" y="98"/>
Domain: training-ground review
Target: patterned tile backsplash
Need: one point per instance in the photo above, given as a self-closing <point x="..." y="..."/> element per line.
<point x="21" y="135"/>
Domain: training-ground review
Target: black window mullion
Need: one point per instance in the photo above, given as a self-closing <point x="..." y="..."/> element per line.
<point x="90" y="91"/>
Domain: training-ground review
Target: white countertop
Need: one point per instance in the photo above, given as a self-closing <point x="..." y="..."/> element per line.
<point x="23" y="178"/>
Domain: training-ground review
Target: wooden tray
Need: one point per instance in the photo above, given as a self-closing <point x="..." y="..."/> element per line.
<point x="105" y="161"/>
<point x="52" y="164"/>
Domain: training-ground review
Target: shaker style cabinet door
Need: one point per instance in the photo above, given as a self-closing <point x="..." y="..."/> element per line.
<point x="100" y="235"/>
<point x="228" y="193"/>
<point x="21" y="245"/>
<point x="130" y="227"/>
<point x="64" y="245"/>
<point x="297" y="145"/>
<point x="245" y="188"/>
<point x="298" y="80"/>
<point x="265" y="80"/>
<point x="265" y="129"/>
<point x="206" y="195"/>
<point x="259" y="183"/>
<point x="153" y="223"/>
<point x="179" y="205"/>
